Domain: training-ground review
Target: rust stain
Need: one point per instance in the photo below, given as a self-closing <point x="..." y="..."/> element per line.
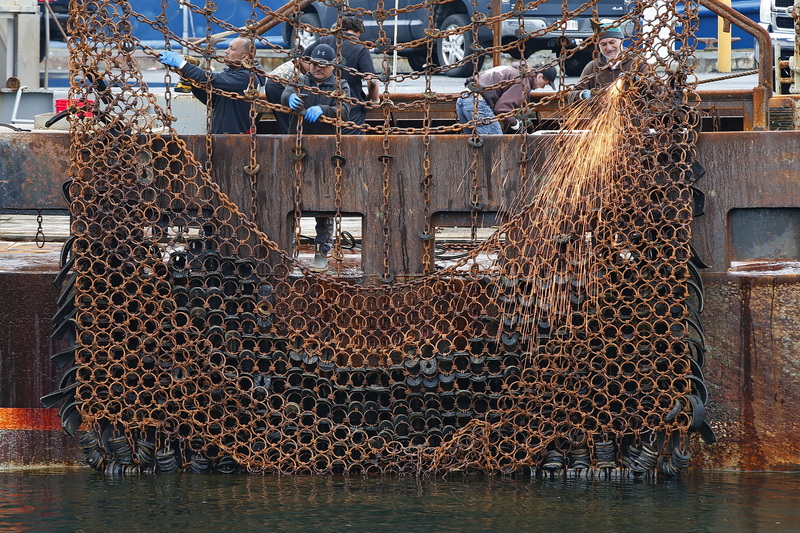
<point x="754" y="454"/>
<point x="29" y="419"/>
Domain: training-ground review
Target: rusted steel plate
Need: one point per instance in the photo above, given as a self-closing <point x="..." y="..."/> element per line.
<point x="752" y="372"/>
<point x="751" y="323"/>
<point x="497" y="175"/>
<point x="33" y="166"/>
<point x="27" y="306"/>
<point x="37" y="448"/>
<point x="30" y="418"/>
<point x="743" y="170"/>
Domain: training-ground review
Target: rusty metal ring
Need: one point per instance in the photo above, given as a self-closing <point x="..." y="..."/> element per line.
<point x="475" y="141"/>
<point x="298" y="154"/>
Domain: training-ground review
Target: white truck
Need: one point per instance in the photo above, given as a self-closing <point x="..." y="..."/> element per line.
<point x="776" y="17"/>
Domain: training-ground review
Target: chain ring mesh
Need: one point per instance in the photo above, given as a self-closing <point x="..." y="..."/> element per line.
<point x="200" y="344"/>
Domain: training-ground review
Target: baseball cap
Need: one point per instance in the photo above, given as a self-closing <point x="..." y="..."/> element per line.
<point x="548" y="71"/>
<point x="323" y="54"/>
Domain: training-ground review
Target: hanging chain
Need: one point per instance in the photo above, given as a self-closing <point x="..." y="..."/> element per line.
<point x="474" y="202"/>
<point x="167" y="73"/>
<point x="39" y="231"/>
<point x="298" y="153"/>
<point x="209" y="9"/>
<point x="427" y="234"/>
<point x="386" y="160"/>
<point x="252" y="168"/>
<point x="338" y="159"/>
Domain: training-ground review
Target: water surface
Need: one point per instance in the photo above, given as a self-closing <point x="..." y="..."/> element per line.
<point x="83" y="500"/>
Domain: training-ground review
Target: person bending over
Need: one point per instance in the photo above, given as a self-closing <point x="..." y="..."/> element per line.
<point x="504" y="99"/>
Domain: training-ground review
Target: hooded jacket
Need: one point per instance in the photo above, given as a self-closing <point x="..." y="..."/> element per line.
<point x="507" y="99"/>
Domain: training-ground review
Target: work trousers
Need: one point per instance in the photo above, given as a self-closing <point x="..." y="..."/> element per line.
<point x="465" y="109"/>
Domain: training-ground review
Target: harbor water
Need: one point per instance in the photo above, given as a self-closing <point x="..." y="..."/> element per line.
<point x="82" y="500"/>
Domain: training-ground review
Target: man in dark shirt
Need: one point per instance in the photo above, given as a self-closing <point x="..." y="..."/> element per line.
<point x="320" y="102"/>
<point x="311" y="105"/>
<point x="358" y="61"/>
<point x="229" y="115"/>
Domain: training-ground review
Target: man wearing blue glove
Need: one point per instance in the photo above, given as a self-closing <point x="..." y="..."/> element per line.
<point x="313" y="99"/>
<point x="313" y="104"/>
<point x="600" y="73"/>
<point x="228" y="115"/>
<point x="358" y="60"/>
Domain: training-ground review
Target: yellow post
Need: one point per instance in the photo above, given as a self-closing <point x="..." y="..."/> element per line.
<point x="724" y="42"/>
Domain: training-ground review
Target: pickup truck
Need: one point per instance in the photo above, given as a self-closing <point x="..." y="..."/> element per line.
<point x="776" y="17"/>
<point x="448" y="50"/>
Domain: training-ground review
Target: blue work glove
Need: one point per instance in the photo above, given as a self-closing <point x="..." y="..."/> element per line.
<point x="172" y="59"/>
<point x="586" y="94"/>
<point x="313" y="113"/>
<point x="295" y="102"/>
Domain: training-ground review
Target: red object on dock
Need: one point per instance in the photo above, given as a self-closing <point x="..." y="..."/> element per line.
<point x="63" y="103"/>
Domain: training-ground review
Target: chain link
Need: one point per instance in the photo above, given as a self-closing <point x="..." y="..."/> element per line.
<point x="40" y="241"/>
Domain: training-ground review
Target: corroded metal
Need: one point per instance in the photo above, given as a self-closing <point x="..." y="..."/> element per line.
<point x="34" y="169"/>
<point x="29" y="434"/>
<point x="751" y="310"/>
<point x="569" y="338"/>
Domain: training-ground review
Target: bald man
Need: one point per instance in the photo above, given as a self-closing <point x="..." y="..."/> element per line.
<point x="229" y="115"/>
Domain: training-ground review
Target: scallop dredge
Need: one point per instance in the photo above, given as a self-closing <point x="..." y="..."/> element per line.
<point x="567" y="341"/>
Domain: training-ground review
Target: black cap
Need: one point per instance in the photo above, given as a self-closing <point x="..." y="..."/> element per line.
<point x="548" y="71"/>
<point x="323" y="54"/>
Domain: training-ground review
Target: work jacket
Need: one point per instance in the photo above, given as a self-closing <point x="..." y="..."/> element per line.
<point x="506" y="99"/>
<point x="325" y="101"/>
<point x="228" y="115"/>
<point x="598" y="74"/>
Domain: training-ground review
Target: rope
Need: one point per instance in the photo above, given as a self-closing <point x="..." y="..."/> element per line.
<point x="730" y="76"/>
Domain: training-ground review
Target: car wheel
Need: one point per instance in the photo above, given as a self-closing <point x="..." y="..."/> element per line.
<point x="454" y="48"/>
<point x="307" y="38"/>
